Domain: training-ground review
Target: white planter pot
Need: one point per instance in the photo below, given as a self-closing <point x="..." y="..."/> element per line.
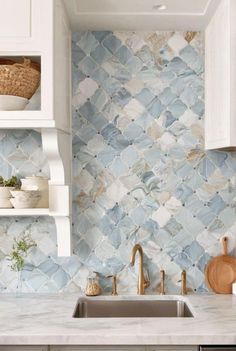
<point x="5" y="196"/>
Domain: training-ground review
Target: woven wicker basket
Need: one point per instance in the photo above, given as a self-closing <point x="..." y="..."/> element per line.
<point x="19" y="79"/>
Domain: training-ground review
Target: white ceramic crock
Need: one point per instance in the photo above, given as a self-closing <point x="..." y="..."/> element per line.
<point x="37" y="183"/>
<point x="5" y="195"/>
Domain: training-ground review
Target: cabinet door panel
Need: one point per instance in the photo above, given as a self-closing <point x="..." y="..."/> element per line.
<point x="220" y="81"/>
<point x="172" y="348"/>
<point x="15" y="18"/>
<point x="97" y="348"/>
<point x="24" y="348"/>
<point x="25" y="25"/>
<point x="217" y="80"/>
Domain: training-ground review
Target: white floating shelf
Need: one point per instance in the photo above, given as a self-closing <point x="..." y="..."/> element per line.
<point x="4" y="212"/>
<point x="24" y="212"/>
<point x="26" y="124"/>
<point x="25" y="119"/>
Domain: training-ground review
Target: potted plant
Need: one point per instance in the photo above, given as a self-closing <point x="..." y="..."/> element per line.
<point x="6" y="185"/>
<point x="20" y="249"/>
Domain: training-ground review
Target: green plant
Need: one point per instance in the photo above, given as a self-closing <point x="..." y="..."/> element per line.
<point x="20" y="250"/>
<point x="12" y="182"/>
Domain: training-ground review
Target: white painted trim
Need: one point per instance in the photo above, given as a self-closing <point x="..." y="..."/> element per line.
<point x="63" y="225"/>
<point x="7" y="212"/>
<point x="148" y="13"/>
<point x="138" y="21"/>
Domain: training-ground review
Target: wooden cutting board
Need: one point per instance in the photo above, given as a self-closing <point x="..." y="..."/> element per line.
<point x="220" y="271"/>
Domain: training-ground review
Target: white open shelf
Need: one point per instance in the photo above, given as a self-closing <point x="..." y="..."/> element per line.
<point x="4" y="212"/>
<point x="24" y="212"/>
<point x="62" y="222"/>
<point x="21" y="123"/>
<point x="47" y="41"/>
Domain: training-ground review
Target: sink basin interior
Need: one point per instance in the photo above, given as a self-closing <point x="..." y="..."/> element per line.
<point x="95" y="308"/>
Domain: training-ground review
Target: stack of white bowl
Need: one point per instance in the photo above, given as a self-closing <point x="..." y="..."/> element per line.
<point x="25" y="198"/>
<point x="33" y="193"/>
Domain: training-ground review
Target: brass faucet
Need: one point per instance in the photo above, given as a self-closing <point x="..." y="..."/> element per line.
<point x="114" y="285"/>
<point x="183" y="283"/>
<point x="142" y="282"/>
<point x="162" y="288"/>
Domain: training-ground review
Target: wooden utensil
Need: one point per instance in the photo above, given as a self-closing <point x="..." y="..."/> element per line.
<point x="220" y="271"/>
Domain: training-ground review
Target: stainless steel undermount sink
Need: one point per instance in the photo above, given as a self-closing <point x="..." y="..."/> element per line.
<point x="98" y="308"/>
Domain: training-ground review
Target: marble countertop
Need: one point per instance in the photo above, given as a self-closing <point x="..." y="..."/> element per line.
<point x="47" y="319"/>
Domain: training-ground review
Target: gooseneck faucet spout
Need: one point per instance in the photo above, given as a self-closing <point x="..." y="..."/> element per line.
<point x="142" y="282"/>
<point x="184" y="290"/>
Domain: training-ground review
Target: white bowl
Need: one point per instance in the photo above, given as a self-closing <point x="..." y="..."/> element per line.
<point x="29" y="203"/>
<point x="37" y="183"/>
<point x="5" y="203"/>
<point x="26" y="194"/>
<point x="25" y="198"/>
<point x="12" y="103"/>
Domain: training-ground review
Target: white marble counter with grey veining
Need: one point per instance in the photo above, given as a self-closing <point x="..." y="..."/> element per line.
<point x="47" y="319"/>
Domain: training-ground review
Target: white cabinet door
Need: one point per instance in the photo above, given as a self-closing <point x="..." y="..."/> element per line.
<point x="97" y="348"/>
<point x="172" y="348"/>
<point x="220" y="78"/>
<point x="15" y="19"/>
<point x="24" y="348"/>
<point x="23" y="24"/>
<point x="124" y="348"/>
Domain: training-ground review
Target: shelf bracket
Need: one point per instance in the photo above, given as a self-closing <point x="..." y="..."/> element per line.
<point x="57" y="147"/>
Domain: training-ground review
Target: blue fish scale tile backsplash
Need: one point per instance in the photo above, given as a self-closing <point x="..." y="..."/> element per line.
<point x="140" y="172"/>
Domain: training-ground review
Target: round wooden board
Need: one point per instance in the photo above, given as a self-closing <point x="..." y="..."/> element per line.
<point x="221" y="274"/>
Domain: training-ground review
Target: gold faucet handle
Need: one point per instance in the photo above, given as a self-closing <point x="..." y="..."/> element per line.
<point x="184" y="290"/>
<point x="162" y="273"/>
<point x="146" y="279"/>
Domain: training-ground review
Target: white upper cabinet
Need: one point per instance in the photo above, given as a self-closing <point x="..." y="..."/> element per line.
<point x="220" y="78"/>
<point x="39" y="29"/>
